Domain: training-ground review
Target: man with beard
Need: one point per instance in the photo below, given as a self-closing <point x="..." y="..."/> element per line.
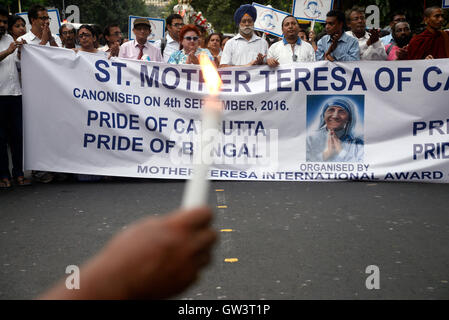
<point x="401" y="37"/>
<point x="371" y="47"/>
<point x="432" y="43"/>
<point x="337" y="45"/>
<point x="246" y="48"/>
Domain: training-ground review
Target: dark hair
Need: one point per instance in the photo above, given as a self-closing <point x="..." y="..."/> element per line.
<point x="397" y="13"/>
<point x="32" y="13"/>
<point x="171" y="17"/>
<point x="354" y="9"/>
<point x="305" y="32"/>
<point x="107" y="31"/>
<point x="184" y="30"/>
<point x="428" y="11"/>
<point x="339" y="15"/>
<point x="289" y="16"/>
<point x="67" y="26"/>
<point x="393" y="30"/>
<point x="3" y="12"/>
<point x="88" y="27"/>
<point x="206" y="42"/>
<point x="13" y="19"/>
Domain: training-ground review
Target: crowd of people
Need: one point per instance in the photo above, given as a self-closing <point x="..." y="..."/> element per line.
<point x="345" y="38"/>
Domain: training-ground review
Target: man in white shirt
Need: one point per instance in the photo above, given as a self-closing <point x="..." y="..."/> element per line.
<point x="10" y="108"/>
<point x="245" y="49"/>
<point x="291" y="48"/>
<point x="40" y="28"/>
<point x="371" y="48"/>
<point x="171" y="42"/>
<point x="67" y="34"/>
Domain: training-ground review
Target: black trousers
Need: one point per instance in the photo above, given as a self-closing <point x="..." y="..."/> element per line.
<point x="11" y="133"/>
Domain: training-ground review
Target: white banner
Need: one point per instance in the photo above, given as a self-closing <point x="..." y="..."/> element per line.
<point x="157" y="28"/>
<point x="55" y="21"/>
<point x="312" y="9"/>
<point x="445" y="4"/>
<point x="316" y="121"/>
<point x="269" y="19"/>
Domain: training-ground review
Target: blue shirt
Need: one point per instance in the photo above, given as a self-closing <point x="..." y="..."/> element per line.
<point x="347" y="48"/>
<point x="180" y="57"/>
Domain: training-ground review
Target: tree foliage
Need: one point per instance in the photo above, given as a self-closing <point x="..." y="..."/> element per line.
<point x="220" y="13"/>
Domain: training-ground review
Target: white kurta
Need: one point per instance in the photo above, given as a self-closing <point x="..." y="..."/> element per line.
<point x="375" y="51"/>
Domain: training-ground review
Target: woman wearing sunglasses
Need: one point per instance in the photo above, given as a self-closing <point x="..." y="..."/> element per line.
<point x="189" y="47"/>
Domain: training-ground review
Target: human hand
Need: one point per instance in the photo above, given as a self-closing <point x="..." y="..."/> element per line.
<point x="46" y="34"/>
<point x="335" y="37"/>
<point x="193" y="59"/>
<point x="374" y="36"/>
<point x="312" y="36"/>
<point x="115" y="49"/>
<point x="329" y="57"/>
<point x="402" y="53"/>
<point x="334" y="146"/>
<point x="272" y="62"/>
<point x="259" y="60"/>
<point x="154" y="258"/>
<point x="12" y="47"/>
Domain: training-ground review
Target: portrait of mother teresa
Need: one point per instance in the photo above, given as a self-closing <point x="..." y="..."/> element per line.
<point x="335" y="139"/>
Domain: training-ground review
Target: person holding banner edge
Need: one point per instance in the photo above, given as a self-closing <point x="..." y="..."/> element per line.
<point x="10" y="108"/>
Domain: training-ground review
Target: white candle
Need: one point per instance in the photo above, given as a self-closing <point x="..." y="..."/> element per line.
<point x="197" y="188"/>
<point x="313" y="25"/>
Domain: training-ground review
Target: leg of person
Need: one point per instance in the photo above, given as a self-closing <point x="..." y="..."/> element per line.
<point x="16" y="142"/>
<point x="4" y="160"/>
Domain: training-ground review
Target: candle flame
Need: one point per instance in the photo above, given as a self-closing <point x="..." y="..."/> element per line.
<point x="210" y="74"/>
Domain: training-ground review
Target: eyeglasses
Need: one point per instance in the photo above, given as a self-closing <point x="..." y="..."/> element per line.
<point x="178" y="25"/>
<point x="361" y="18"/>
<point x="45" y="18"/>
<point x="84" y="35"/>
<point x="295" y="57"/>
<point x="191" y="38"/>
<point x="68" y="32"/>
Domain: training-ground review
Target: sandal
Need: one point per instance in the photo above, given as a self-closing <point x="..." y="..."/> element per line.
<point x="21" y="181"/>
<point x="5" y="183"/>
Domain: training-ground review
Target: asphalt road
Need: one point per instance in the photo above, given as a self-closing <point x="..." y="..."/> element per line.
<point x="288" y="240"/>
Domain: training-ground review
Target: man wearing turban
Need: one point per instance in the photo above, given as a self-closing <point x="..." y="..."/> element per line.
<point x="335" y="140"/>
<point x="246" y="48"/>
